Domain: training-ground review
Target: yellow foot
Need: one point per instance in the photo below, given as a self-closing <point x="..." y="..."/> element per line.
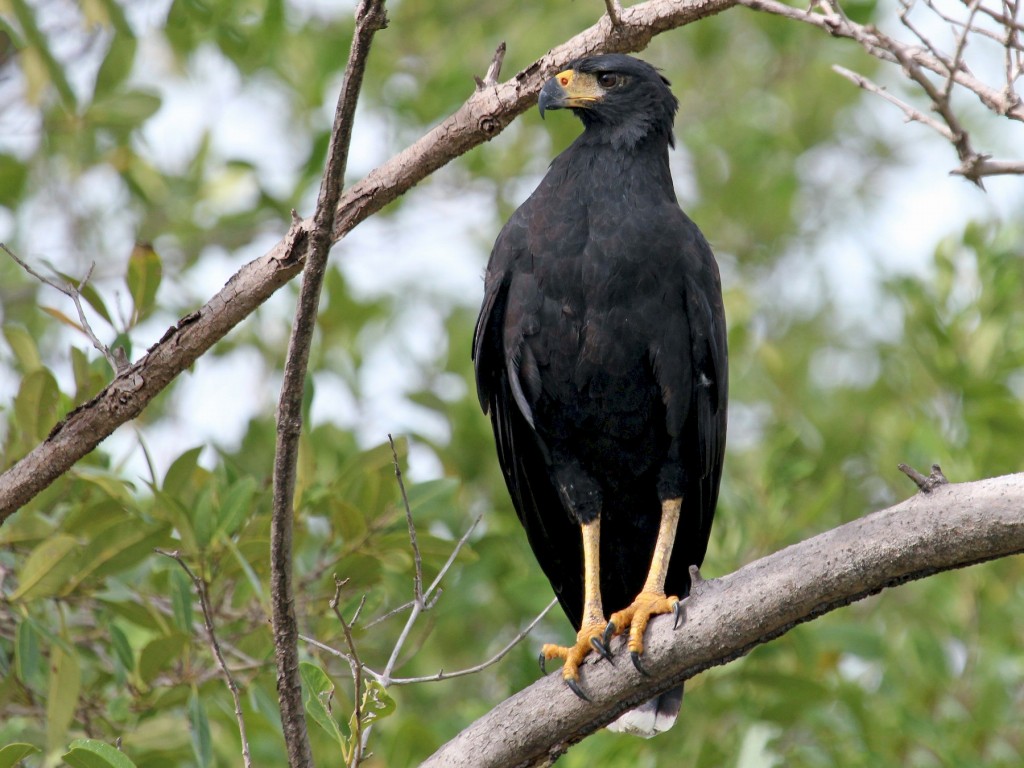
<point x="635" y="616"/>
<point x="587" y="639"/>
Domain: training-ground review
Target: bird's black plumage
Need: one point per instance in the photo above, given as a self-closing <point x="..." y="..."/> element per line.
<point x="600" y="350"/>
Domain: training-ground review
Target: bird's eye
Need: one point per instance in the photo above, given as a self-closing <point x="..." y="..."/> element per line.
<point x="607" y="79"/>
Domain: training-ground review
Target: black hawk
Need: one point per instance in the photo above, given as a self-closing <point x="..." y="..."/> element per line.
<point x="600" y="355"/>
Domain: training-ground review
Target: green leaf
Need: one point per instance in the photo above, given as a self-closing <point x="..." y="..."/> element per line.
<point x="120" y="546"/>
<point x="47" y="568"/>
<point x="24" y="347"/>
<point x="159" y="653"/>
<point x="89" y="753"/>
<point x="117" y="64"/>
<point x="202" y="744"/>
<point x="122" y="646"/>
<point x="124" y="110"/>
<point x="348" y="518"/>
<point x="181" y="473"/>
<point x="13" y="174"/>
<point x="317" y="692"/>
<point x="12" y="753"/>
<point x="377" y="704"/>
<point x="145" y="271"/>
<point x="235" y="506"/>
<point x="181" y="600"/>
<point x="35" y="407"/>
<point x="29" y="655"/>
<point x="62" y="698"/>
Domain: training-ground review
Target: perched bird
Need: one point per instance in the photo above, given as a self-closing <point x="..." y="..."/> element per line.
<point x="600" y="356"/>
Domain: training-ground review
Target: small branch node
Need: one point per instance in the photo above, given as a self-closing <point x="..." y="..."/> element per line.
<point x="925" y="483"/>
<point x="614" y="9"/>
<point x="491" y="78"/>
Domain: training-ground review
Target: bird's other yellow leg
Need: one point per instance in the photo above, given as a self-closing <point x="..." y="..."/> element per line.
<point x="652" y="600"/>
<point x="593" y="625"/>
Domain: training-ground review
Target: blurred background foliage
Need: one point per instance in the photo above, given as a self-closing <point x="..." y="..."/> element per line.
<point x="166" y="142"/>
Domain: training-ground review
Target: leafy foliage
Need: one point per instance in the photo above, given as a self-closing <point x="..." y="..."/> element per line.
<point x="102" y="639"/>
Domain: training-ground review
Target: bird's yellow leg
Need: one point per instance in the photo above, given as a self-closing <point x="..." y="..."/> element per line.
<point x="593" y="625"/>
<point x="652" y="600"/>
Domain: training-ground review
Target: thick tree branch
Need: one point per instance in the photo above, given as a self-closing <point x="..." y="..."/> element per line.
<point x="952" y="526"/>
<point x="370" y="17"/>
<point x="484" y="115"/>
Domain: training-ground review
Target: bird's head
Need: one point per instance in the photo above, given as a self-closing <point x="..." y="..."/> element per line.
<point x="620" y="99"/>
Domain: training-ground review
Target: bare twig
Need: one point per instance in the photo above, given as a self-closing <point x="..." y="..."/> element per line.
<point x="493" y="71"/>
<point x="926" y="483"/>
<point x="909" y="111"/>
<point x="442" y="675"/>
<point x="370" y="17"/>
<point x="614" y="9"/>
<point x="204" y="602"/>
<point x="74" y="292"/>
<point x="961" y="45"/>
<point x="357" y="671"/>
<point x="919" y="63"/>
<point x="417" y="579"/>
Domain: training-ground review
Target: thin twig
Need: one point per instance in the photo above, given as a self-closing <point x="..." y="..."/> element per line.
<point x="491" y="78"/>
<point x="451" y="559"/>
<point x="961" y="45"/>
<point x="442" y="675"/>
<point x="614" y="9"/>
<point x="74" y="293"/>
<point x="370" y="17"/>
<point x="417" y="582"/>
<point x="909" y="111"/>
<point x="357" y="671"/>
<point x="392" y="612"/>
<point x="204" y="602"/>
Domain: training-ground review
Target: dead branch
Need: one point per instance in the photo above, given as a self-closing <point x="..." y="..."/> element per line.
<point x="953" y="526"/>
<point x="919" y="62"/>
<point x="74" y="292"/>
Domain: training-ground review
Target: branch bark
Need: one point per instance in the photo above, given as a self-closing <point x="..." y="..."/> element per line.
<point x="370" y="17"/>
<point x="483" y="116"/>
<point x="952" y="526"/>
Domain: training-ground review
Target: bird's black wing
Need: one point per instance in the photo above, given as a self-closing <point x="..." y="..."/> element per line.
<point x="552" y="536"/>
<point x="692" y="372"/>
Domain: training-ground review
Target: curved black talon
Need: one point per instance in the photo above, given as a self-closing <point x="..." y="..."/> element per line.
<point x="636" y="663"/>
<point x="609" y="631"/>
<point x="541" y="660"/>
<point x="575" y="688"/>
<point x="601" y="649"/>
<point x="677" y="611"/>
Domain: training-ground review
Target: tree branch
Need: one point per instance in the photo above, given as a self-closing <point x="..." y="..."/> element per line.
<point x="483" y="116"/>
<point x="918" y="63"/>
<point x="952" y="526"/>
<point x="204" y="601"/>
<point x="370" y="17"/>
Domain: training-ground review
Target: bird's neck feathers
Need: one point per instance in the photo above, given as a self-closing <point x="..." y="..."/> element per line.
<point x="632" y="127"/>
<point x="635" y="134"/>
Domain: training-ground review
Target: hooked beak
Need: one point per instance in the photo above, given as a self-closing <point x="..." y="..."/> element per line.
<point x="568" y="90"/>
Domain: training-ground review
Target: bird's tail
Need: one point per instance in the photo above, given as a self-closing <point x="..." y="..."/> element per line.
<point x="652" y="717"/>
